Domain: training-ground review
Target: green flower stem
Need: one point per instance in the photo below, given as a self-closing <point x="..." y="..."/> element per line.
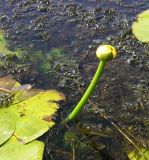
<point x="88" y="92"/>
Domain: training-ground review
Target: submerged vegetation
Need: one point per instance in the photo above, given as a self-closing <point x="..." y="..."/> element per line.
<point x="23" y="64"/>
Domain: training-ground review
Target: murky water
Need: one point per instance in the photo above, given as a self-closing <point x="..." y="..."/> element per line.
<point x="77" y="27"/>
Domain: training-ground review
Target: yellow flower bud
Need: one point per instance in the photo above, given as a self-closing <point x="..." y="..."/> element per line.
<point x="106" y="52"/>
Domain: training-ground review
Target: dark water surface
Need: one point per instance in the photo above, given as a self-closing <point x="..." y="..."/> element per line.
<point x="77" y="27"/>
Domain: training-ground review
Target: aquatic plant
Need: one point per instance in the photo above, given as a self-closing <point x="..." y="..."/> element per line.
<point x="49" y="66"/>
<point x="140" y="28"/>
<point x="4" y="47"/>
<point x="104" y="53"/>
<point x="135" y="155"/>
<point x="84" y="140"/>
<point x="28" y="116"/>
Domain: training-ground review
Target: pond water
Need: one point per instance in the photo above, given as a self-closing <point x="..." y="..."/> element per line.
<point x="76" y="28"/>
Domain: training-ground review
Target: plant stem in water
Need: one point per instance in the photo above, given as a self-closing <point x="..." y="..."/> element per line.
<point x="88" y="92"/>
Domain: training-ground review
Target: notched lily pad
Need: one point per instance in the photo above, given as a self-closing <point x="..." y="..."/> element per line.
<point x="32" y="111"/>
<point x="13" y="150"/>
<point x="140" y="28"/>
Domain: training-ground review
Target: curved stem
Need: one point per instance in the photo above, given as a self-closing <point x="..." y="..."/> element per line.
<point x="87" y="94"/>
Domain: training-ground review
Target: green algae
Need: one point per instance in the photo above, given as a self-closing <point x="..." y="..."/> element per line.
<point x="4" y="47"/>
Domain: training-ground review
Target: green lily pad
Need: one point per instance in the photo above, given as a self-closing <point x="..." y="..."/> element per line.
<point x="7" y="128"/>
<point x="27" y="117"/>
<point x="136" y="155"/>
<point x="34" y="115"/>
<point x="13" y="150"/>
<point x="140" y="28"/>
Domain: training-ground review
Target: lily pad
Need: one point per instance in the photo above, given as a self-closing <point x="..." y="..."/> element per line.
<point x="13" y="150"/>
<point x="34" y="115"/>
<point x="37" y="110"/>
<point x="140" y="28"/>
<point x="7" y="128"/>
<point x="135" y="155"/>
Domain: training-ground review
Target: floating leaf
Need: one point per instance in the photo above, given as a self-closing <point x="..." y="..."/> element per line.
<point x="37" y="110"/>
<point x="7" y="128"/>
<point x="34" y="115"/>
<point x="136" y="155"/>
<point x="140" y="28"/>
<point x="13" y="150"/>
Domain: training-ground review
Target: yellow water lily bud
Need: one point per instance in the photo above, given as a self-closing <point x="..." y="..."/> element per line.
<point x="106" y="52"/>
